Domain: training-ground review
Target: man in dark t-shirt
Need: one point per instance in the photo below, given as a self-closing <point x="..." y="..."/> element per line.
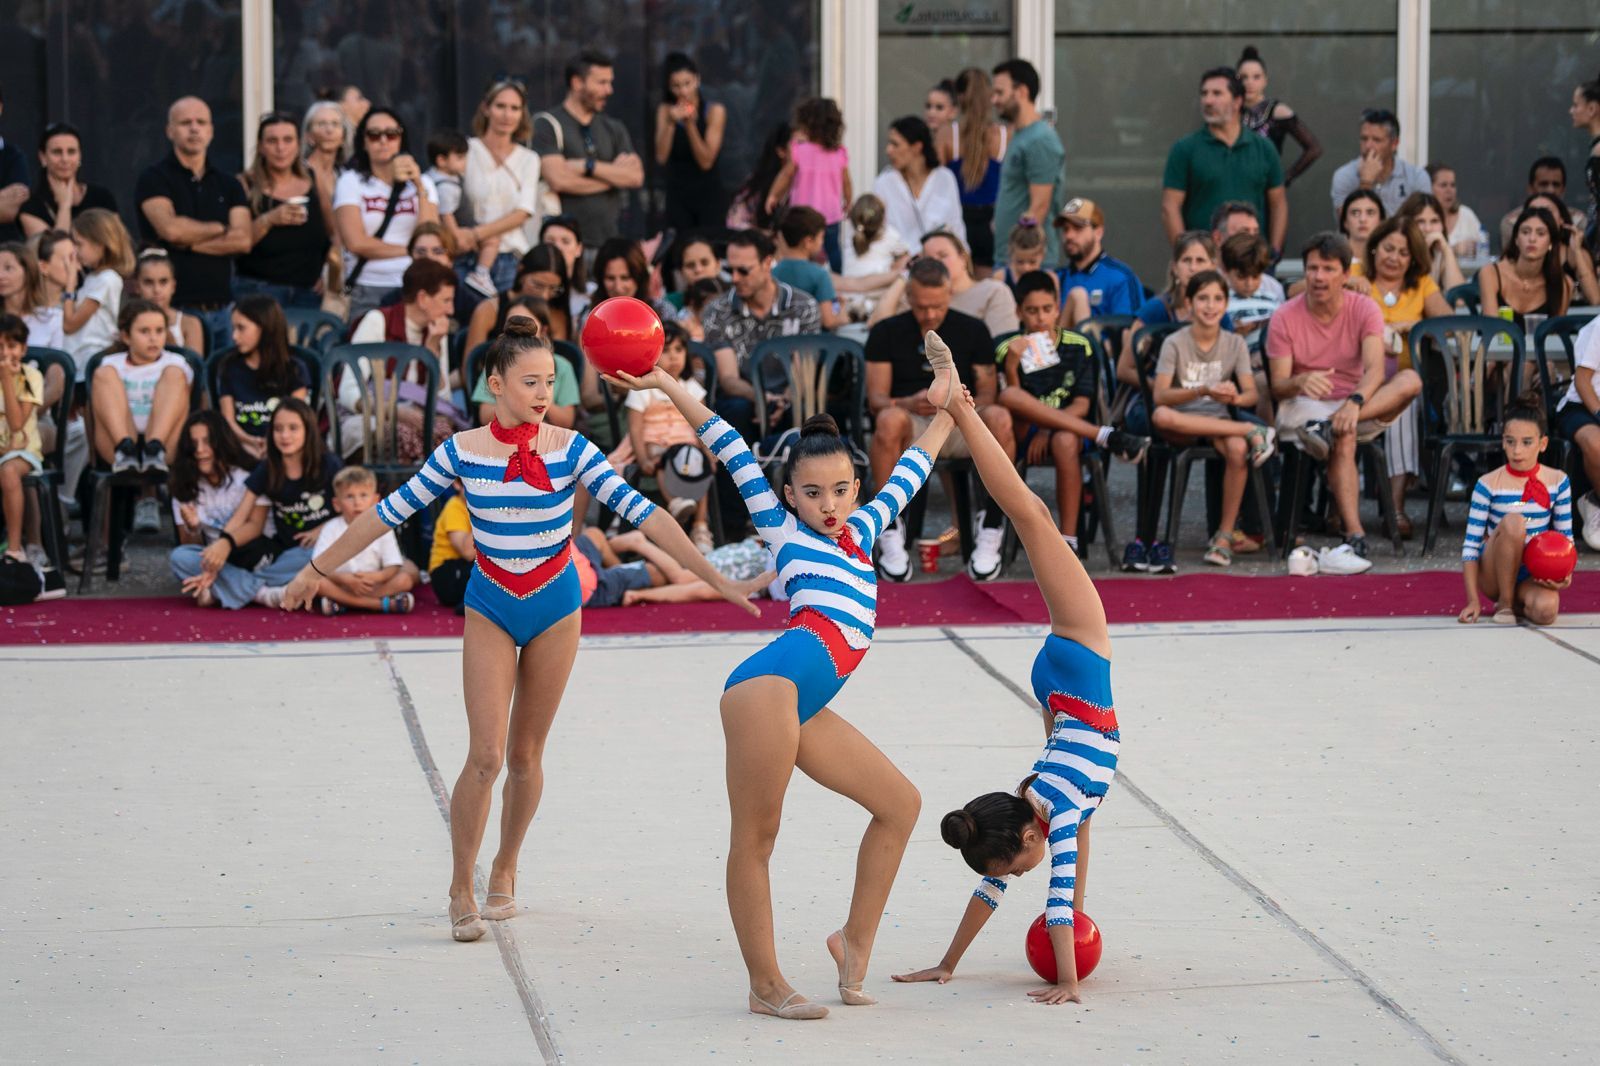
<point x="199" y="215"/>
<point x="584" y="155"/>
<point x="13" y="187"/>
<point x="898" y="376"/>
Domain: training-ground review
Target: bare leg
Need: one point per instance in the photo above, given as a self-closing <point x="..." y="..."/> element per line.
<point x="113" y="420"/>
<point x="891" y="436"/>
<point x="15" y="502"/>
<point x="1075" y="609"/>
<point x="1393" y="396"/>
<point x="1538" y="604"/>
<point x="762" y="728"/>
<point x="394" y="586"/>
<point x="1170" y="420"/>
<point x="1588" y="442"/>
<point x="1502" y="555"/>
<point x="1344" y="484"/>
<point x="1235" y="474"/>
<point x="168" y="408"/>
<point x="640" y="545"/>
<point x="489" y="676"/>
<point x="835" y="755"/>
<point x="542" y="673"/>
<point x="1075" y="307"/>
<point x="1066" y="450"/>
<point x="695" y="591"/>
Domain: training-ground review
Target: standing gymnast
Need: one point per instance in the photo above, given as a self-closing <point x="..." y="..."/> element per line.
<point x="522" y="599"/>
<point x="1005" y="834"/>
<point x="774" y="705"/>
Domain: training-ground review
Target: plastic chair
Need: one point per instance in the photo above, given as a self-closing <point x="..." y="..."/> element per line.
<point x="309" y="360"/>
<point x="1458" y="413"/>
<point x="46" y="484"/>
<point x="316" y="330"/>
<point x="1152" y="475"/>
<point x="198" y="393"/>
<point x="1565" y="329"/>
<point x="1466" y="295"/>
<point x="387" y="365"/>
<point x="809" y="365"/>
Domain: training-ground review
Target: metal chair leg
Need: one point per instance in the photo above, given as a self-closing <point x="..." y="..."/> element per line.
<point x="1258" y="482"/>
<point x="1180" y="489"/>
<point x="98" y="522"/>
<point x="1295" y="471"/>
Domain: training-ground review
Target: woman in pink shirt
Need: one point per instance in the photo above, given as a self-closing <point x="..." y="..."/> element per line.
<point x="817" y="174"/>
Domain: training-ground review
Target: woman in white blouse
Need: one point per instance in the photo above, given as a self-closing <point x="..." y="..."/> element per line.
<point x="500" y="191"/>
<point x="918" y="195"/>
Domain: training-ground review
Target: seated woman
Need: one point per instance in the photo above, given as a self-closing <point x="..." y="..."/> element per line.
<point x="989" y="300"/>
<point x="1528" y="278"/>
<point x="1569" y="246"/>
<point x="1203" y="372"/>
<point x="697" y="259"/>
<point x="1396" y="265"/>
<point x="541" y="274"/>
<point x="1425" y="210"/>
<point x="563" y="233"/>
<point x="422" y="318"/>
<point x="260" y="374"/>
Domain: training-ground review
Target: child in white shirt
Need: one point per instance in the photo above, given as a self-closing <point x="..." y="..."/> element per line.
<point x="377" y="578"/>
<point x="89" y="318"/>
<point x="447" y="158"/>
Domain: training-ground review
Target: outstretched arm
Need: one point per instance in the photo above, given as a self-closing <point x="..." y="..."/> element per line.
<point x="979" y="907"/>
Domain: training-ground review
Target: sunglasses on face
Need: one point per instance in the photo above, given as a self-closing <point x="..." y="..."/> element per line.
<point x="385" y="135"/>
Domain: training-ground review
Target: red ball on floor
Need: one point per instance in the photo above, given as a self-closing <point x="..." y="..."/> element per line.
<point x="624" y="334"/>
<point x="1086" y="947"/>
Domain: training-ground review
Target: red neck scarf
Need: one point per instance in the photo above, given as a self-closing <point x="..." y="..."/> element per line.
<point x="1534" y="490"/>
<point x="847" y="544"/>
<point x="524" y="462"/>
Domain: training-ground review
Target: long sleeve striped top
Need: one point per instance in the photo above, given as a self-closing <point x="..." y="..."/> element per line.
<point x="814" y="571"/>
<point x="515" y="525"/>
<point x="1499" y="493"/>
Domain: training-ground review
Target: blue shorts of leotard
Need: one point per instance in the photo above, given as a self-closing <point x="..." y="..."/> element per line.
<point x="801" y="657"/>
<point x="1078" y="680"/>
<point x="526" y="617"/>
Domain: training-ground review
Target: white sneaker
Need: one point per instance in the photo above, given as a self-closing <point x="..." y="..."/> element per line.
<point x="147" y="516"/>
<point x="893" y="562"/>
<point x="270" y="596"/>
<point x="985" y="562"/>
<point x="1342" y="560"/>
<point x="1303" y="562"/>
<point x="480" y="282"/>
<point x="1589" y="511"/>
<point x="37" y="556"/>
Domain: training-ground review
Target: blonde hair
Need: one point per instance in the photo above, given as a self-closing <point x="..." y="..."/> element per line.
<point x="433" y="229"/>
<point x="480" y="118"/>
<point x="867" y="217"/>
<point x="973" y="104"/>
<point x="106" y="229"/>
<point x="1026" y="237"/>
<point x="959" y="245"/>
<point x="354" y="476"/>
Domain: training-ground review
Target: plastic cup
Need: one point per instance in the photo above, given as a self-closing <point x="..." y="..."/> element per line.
<point x="928" y="554"/>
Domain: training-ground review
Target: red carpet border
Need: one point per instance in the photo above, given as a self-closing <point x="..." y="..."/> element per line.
<point x="953" y="601"/>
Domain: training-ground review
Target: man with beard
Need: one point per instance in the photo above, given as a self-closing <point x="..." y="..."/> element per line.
<point x="1109" y="285"/>
<point x="1031" y="172"/>
<point x="585" y="155"/>
<point x="1222" y="161"/>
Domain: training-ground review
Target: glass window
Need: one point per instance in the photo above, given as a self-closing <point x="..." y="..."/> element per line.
<point x="1127" y="81"/>
<point x="924" y="42"/>
<point x="1488" y="118"/>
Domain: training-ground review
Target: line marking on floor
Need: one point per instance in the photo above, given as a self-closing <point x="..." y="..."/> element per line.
<point x="510" y="955"/>
<point x="1573" y="648"/>
<point x="1221" y="865"/>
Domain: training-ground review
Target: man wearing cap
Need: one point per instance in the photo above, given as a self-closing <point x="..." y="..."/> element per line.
<point x="1111" y="286"/>
<point x="1222" y="161"/>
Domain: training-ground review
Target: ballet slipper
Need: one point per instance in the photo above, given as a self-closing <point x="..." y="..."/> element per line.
<point x="499" y="912"/>
<point x="468" y="927"/>
<point x="1505" y="616"/>
<point x="798" y="1012"/>
<point x="850" y="994"/>
<point x="940" y="358"/>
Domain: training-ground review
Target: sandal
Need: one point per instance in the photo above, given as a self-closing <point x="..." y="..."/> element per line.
<point x="850" y="994"/>
<point x="797" y="1012"/>
<point x="1263" y="443"/>
<point x="1221" y="552"/>
<point x="1243" y="543"/>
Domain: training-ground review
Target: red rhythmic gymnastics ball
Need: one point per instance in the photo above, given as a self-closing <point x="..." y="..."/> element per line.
<point x="1550" y="556"/>
<point x="1086" y="947"/>
<point x="624" y="334"/>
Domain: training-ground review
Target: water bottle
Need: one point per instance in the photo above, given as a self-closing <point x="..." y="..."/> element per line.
<point x="1481" y="252"/>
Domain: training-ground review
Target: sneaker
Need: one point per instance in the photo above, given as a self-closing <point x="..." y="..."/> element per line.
<point x="1302" y="562"/>
<point x="1072" y="542"/>
<point x="400" y="604"/>
<point x="329" y="607"/>
<point x="1129" y="447"/>
<point x="893" y="562"/>
<point x="1263" y="442"/>
<point x="270" y="596"/>
<point x="985" y="564"/>
<point x="1457" y="489"/>
<point x="1161" y="560"/>
<point x="1220" y="553"/>
<point x="1342" y="560"/>
<point x="1135" y="558"/>
<point x="480" y="282"/>
<point x="147" y="515"/>
<point x="682" y="511"/>
<point x="52" y="586"/>
<point x="1589" y="512"/>
<point x="154" y="460"/>
<point x="38" y="557"/>
<point x="126" y="458"/>
<point x="1316" y="439"/>
<point x="1358" y="544"/>
<point x="701" y="538"/>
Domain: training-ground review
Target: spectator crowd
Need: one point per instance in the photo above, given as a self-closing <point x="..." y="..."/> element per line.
<point x="260" y="355"/>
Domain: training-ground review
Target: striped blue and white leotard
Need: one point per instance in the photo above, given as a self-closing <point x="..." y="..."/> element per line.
<point x="1073" y="684"/>
<point x="833" y="592"/>
<point x="523" y="579"/>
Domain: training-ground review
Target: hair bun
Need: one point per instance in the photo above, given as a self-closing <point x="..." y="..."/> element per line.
<point x="958" y="828"/>
<point x="521" y="327"/>
<point x="1249" y="54"/>
<point x="818" y="425"/>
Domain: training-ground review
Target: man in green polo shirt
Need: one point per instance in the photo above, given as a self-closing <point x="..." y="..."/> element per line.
<point x="1222" y="161"/>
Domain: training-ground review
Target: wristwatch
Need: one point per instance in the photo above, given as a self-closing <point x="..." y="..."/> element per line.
<point x="588" y="167"/>
<point x="1356" y="398"/>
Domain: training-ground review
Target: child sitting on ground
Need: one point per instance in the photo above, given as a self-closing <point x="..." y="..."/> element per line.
<point x="447" y="159"/>
<point x="1201" y="373"/>
<point x="378" y="578"/>
<point x="1510" y="506"/>
<point x="21" y="452"/>
<point x="655" y="427"/>
<point x="1050" y="386"/>
<point x="451" y="557"/>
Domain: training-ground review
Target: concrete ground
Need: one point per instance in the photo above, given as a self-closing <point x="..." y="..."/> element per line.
<point x="220" y="854"/>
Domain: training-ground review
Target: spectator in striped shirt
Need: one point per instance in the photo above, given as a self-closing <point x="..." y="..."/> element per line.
<point x="1510" y="506"/>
